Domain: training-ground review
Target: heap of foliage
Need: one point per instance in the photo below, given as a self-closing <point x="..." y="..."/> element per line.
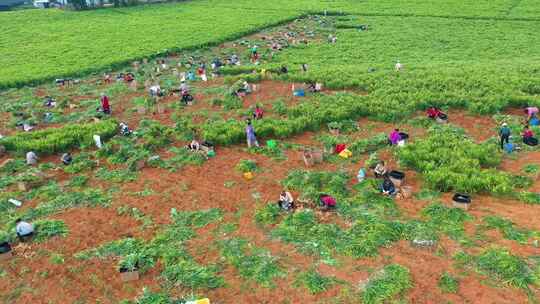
<point x="314" y="281"/>
<point x="252" y="263"/>
<point x="450" y="161"/>
<point x="393" y="280"/>
<point x="501" y="265"/>
<point x="57" y="140"/>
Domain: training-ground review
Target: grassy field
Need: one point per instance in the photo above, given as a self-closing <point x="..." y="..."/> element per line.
<point x="38" y="45"/>
<point x="196" y="225"/>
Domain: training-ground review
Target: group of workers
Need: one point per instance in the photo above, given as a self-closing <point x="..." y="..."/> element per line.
<point x="325" y="202"/>
<point x="527" y="134"/>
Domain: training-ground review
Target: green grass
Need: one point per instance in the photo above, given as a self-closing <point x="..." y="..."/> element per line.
<point x="509" y="230"/>
<point x="314" y="281"/>
<point x="448" y="283"/>
<point x="46" y="229"/>
<point x="450" y="161"/>
<point x="253" y="263"/>
<point x="393" y="280"/>
<point x="500" y="265"/>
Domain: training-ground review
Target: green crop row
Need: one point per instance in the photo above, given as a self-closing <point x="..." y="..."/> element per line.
<point x="58" y="140"/>
<point x="450" y="161"/>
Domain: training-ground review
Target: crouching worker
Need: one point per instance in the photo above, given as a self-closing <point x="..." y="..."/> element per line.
<point x="380" y="170"/>
<point x="388" y="187"/>
<point x="286" y="201"/>
<point x="258" y="113"/>
<point x="66" y="158"/>
<point x="24" y="230"/>
<point x="194" y="145"/>
<point x="528" y="137"/>
<point x="187" y="99"/>
<point x="327" y="202"/>
<point x="105" y="105"/>
<point x="124" y="129"/>
<point x="436" y="114"/>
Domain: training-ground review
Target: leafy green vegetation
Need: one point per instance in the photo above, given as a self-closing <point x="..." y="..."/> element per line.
<point x="390" y="282"/>
<point x="247" y="165"/>
<point x="58" y="140"/>
<point x="314" y="281"/>
<point x="46" y="229"/>
<point x="509" y="230"/>
<point x="500" y="265"/>
<point x="252" y="263"/>
<point x="448" y="283"/>
<point x="168" y="246"/>
<point x="450" y="161"/>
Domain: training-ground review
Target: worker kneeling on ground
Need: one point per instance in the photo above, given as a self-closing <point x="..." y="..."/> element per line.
<point x="286" y="201"/>
<point x="388" y="187"/>
<point x="327" y="202"/>
<point x="24" y="230"/>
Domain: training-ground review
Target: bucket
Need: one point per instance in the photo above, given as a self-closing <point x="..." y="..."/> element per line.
<point x="128" y="276"/>
<point x="462" y="201"/>
<point x="272" y="144"/>
<point x="248" y="176"/>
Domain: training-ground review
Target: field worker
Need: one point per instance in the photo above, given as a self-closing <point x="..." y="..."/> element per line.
<point x="31" y="158"/>
<point x="66" y="158"/>
<point x="528" y="137"/>
<point x="361" y="176"/>
<point x="234" y="60"/>
<point x="24" y="230"/>
<point x="380" y="170"/>
<point x="327" y="202"/>
<point x="399" y="66"/>
<point x="155" y="90"/>
<point x="394" y="137"/>
<point x="184" y="88"/>
<point x="250" y="134"/>
<point x="504" y="133"/>
<point x="194" y="145"/>
<point x="531" y="112"/>
<point x="202" y="72"/>
<point x="258" y="113"/>
<point x="388" y="187"/>
<point x="105" y="106"/>
<point x="124" y="129"/>
<point x="286" y="201"/>
<point x="191" y="76"/>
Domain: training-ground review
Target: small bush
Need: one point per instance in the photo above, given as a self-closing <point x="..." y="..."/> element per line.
<point x="46" y="229"/>
<point x="314" y="281"/>
<point x="246" y="165"/>
<point x="392" y="281"/>
<point x="448" y="283"/>
<point x="267" y="215"/>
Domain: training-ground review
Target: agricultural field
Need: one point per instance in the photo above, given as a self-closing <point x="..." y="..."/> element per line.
<point x="41" y="45"/>
<point x="207" y="225"/>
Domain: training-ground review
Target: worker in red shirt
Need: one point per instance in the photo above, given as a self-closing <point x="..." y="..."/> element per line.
<point x="105" y="106"/>
<point x="327" y="202"/>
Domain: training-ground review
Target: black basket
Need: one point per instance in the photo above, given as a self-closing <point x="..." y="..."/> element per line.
<point x="404" y="136"/>
<point x="5" y="247"/>
<point x="396" y="175"/>
<point x="461" y="198"/>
